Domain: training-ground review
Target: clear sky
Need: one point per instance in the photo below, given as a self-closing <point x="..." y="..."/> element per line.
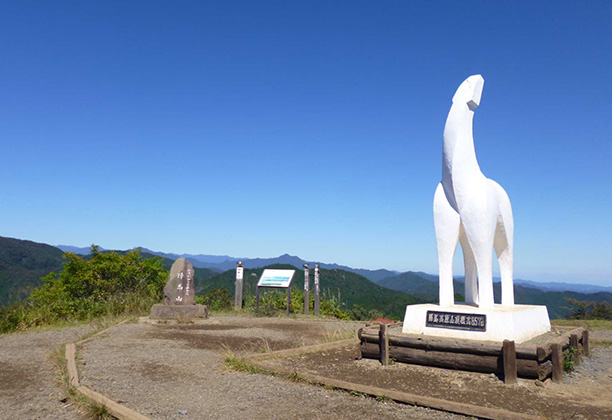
<point x="314" y="128"/>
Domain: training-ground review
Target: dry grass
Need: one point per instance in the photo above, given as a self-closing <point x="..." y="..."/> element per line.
<point x="588" y="324"/>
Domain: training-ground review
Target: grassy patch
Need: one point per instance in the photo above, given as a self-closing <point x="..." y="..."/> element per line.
<point x="331" y="336"/>
<point x="588" y="324"/>
<point x="233" y="362"/>
<point x="98" y="412"/>
<point x="294" y="376"/>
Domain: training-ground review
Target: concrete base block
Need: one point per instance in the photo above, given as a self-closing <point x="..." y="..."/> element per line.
<point x="517" y="322"/>
<point x="161" y="311"/>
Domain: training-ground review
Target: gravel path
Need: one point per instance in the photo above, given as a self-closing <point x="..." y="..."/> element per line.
<point x="29" y="381"/>
<point x="596" y="368"/>
<point x="176" y="372"/>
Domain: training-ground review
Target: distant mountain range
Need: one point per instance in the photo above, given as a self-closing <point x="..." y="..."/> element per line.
<point x="425" y="286"/>
<point x="23" y="263"/>
<point x="222" y="263"/>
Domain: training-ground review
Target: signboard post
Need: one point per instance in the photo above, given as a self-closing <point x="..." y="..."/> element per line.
<point x="306" y="286"/>
<point x="275" y="279"/>
<point x="316" y="286"/>
<point x="238" y="291"/>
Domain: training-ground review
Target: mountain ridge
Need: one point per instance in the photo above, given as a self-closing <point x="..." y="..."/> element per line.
<point x="221" y="263"/>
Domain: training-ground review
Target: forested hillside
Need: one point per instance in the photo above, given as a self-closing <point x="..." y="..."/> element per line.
<point x="22" y="264"/>
<point x="352" y="289"/>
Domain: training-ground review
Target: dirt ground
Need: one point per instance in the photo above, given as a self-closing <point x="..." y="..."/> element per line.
<point x="29" y="380"/>
<point x="176" y="371"/>
<point x="586" y="393"/>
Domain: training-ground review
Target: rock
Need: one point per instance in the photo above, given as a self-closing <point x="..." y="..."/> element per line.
<point x="180" y="288"/>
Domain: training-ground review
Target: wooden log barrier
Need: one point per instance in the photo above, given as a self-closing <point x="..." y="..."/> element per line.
<point x="509" y="358"/>
<point x="470" y="362"/>
<point x="484" y="348"/>
<point x="383" y="343"/>
<point x="557" y="363"/>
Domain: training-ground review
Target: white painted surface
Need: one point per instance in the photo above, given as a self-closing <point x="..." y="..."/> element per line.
<point x="474" y="211"/>
<point x="471" y="209"/>
<point x="518" y="322"/>
<point x="276" y="278"/>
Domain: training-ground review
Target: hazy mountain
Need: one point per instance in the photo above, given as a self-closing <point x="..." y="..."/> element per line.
<point x="564" y="287"/>
<point x="75" y="249"/>
<point x="425" y="286"/>
<point x="223" y="262"/>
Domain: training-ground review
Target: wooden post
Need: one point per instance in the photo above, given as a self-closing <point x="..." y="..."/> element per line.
<point x="288" y="299"/>
<point x="509" y="359"/>
<point x="574" y="341"/>
<point x="384" y="344"/>
<point x="575" y="345"/>
<point x="585" y="343"/>
<point x="257" y="299"/>
<point x="306" y="287"/>
<point x="239" y="283"/>
<point x="557" y="362"/>
<point x="316" y="286"/>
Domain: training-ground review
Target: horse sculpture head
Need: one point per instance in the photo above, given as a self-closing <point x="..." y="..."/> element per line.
<point x="470" y="92"/>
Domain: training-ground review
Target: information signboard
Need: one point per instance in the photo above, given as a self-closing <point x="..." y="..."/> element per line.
<point x="276" y="278"/>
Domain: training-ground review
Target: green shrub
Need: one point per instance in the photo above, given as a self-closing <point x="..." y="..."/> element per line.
<point x="360" y="313"/>
<point x="216" y="299"/>
<point x="273" y="302"/>
<point x="107" y="284"/>
<point x="569" y="359"/>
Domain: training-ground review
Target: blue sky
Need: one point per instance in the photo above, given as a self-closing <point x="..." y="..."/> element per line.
<point x="254" y="129"/>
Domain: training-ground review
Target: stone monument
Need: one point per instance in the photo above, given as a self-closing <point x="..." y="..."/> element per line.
<point x="474" y="211"/>
<point x="179" y="295"/>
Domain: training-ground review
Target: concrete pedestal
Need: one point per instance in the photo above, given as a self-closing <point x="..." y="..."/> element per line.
<point x="162" y="311"/>
<point x="517" y="322"/>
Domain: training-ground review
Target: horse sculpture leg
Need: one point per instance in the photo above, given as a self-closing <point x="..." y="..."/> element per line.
<point x="479" y="225"/>
<point x="447" y="224"/>
<point x="504" y="242"/>
<point x="471" y="282"/>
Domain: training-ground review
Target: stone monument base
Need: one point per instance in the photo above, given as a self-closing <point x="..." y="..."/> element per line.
<point x="517" y="322"/>
<point x="161" y="311"/>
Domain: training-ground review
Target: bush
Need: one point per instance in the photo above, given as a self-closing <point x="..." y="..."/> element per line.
<point x="274" y="302"/>
<point x="360" y="313"/>
<point x="590" y="310"/>
<point x="216" y="299"/>
<point x="106" y="284"/>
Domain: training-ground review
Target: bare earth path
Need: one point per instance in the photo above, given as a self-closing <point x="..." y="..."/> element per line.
<point x="29" y="381"/>
<point x="176" y="372"/>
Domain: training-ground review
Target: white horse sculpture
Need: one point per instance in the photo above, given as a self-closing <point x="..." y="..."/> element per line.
<point x="471" y="209"/>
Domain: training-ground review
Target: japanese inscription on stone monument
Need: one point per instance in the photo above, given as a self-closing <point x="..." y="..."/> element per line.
<point x="457" y="321"/>
<point x="179" y="289"/>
